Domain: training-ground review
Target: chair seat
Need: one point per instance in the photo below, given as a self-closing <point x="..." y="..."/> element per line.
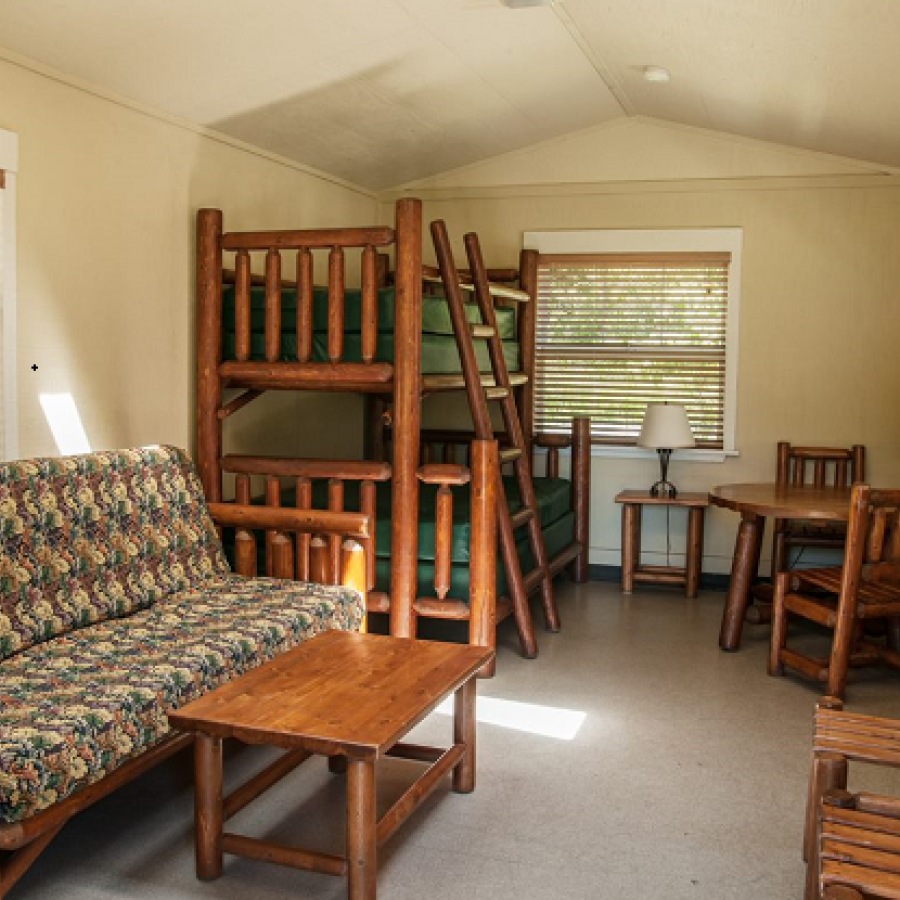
<point x="814" y="530"/>
<point x="859" y="844"/>
<point x="828" y="578"/>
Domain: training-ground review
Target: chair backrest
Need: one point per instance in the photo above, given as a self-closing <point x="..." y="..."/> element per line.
<point x="873" y="536"/>
<point x="820" y="466"/>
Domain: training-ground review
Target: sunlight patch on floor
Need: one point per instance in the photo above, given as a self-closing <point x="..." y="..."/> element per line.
<point x="65" y="423"/>
<point x="533" y="718"/>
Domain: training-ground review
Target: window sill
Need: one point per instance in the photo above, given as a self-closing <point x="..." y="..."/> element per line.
<point x="702" y="456"/>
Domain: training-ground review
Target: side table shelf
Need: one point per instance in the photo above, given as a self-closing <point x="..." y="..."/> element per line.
<point x="632" y="570"/>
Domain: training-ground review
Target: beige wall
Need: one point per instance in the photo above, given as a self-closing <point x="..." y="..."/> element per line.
<point x="106" y="200"/>
<point x="819" y="320"/>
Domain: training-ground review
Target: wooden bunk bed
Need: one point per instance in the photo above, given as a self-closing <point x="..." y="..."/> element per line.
<point x="433" y="553"/>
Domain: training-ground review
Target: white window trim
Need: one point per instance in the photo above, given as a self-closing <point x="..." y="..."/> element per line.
<point x="9" y="162"/>
<point x="675" y="240"/>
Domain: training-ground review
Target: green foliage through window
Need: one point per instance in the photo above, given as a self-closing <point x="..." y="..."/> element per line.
<point x="615" y="332"/>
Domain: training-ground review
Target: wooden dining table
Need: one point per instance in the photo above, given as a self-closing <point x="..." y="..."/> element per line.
<point x="755" y="502"/>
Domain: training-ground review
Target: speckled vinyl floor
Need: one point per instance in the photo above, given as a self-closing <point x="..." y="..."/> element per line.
<point x="685" y="780"/>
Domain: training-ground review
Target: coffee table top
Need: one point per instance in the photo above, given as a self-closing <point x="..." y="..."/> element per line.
<point x="340" y="692"/>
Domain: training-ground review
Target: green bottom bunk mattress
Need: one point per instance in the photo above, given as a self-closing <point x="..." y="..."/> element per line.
<point x="554" y="502"/>
<point x="439" y="352"/>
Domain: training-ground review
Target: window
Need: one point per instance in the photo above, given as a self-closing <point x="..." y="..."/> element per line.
<point x="626" y="318"/>
<point x="8" y="414"/>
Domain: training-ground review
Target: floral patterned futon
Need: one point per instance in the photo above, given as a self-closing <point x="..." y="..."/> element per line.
<point x="116" y="604"/>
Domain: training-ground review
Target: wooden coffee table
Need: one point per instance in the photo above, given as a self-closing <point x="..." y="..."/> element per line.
<point x="348" y="696"/>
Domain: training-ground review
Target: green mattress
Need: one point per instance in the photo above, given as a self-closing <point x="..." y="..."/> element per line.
<point x="439" y="352"/>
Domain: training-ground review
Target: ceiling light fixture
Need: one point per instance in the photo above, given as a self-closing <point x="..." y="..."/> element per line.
<point x="656" y="73"/>
<point x="523" y="4"/>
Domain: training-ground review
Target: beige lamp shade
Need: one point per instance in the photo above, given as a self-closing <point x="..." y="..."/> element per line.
<point x="665" y="426"/>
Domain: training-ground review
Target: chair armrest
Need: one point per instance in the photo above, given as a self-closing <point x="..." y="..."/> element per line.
<point x="282" y="518"/>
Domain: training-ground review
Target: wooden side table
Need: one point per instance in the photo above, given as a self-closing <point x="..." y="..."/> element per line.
<point x="632" y="570"/>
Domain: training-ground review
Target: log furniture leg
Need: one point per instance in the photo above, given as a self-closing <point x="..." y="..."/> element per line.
<point x="581" y="495"/>
<point x="208" y="805"/>
<point x="631" y="544"/>
<point x="361" y="822"/>
<point x="464" y="733"/>
<point x="694" y="554"/>
<point x="743" y="571"/>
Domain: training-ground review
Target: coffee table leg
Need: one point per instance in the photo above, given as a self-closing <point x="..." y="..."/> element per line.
<point x="361" y="822"/>
<point x="743" y="573"/>
<point x="464" y="733"/>
<point x="208" y="805"/>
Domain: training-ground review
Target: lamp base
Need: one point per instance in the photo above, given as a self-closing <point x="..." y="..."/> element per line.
<point x="664" y="488"/>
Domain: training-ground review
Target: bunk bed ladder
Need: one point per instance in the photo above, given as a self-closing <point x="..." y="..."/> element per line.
<point x="500" y="390"/>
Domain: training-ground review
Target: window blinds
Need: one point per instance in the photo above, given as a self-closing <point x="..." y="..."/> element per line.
<point x="615" y="332"/>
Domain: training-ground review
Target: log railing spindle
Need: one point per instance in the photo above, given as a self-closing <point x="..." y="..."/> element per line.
<point x="244" y="542"/>
<point x="303" y="501"/>
<point x="304" y="304"/>
<point x="819" y="476"/>
<point x="353" y="572"/>
<point x="318" y="561"/>
<point x="335" y="504"/>
<point x="367" y="498"/>
<point x="443" y="541"/>
<point x="273" y="306"/>
<point x="282" y="556"/>
<point x="273" y="498"/>
<point x="336" y="304"/>
<point x="553" y="462"/>
<point x="242" y="325"/>
<point x="369" y="325"/>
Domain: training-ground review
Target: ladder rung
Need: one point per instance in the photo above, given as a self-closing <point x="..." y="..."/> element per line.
<point x="457" y="382"/>
<point x="481" y="331"/>
<point x="497" y="290"/>
<point x="533" y="580"/>
<point x="496" y="393"/>
<point x="522" y="517"/>
<point x="509" y="454"/>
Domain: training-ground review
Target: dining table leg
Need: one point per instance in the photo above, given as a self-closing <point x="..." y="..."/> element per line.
<point x="743" y="573"/>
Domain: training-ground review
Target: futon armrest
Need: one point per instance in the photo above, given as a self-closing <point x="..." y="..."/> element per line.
<point x="325" y="561"/>
<point x="282" y="518"/>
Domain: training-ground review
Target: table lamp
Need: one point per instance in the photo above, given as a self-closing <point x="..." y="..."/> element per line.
<point x="664" y="429"/>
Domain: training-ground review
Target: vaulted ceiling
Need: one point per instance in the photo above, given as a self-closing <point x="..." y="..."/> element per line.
<point x="382" y="92"/>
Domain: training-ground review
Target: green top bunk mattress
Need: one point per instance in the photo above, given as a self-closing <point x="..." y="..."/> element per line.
<point x="440" y="355"/>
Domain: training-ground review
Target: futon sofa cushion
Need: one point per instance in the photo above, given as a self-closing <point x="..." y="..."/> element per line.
<point x="76" y="707"/>
<point x="88" y="538"/>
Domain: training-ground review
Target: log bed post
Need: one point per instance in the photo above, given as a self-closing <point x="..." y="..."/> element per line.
<point x="209" y="351"/>
<point x="407" y="417"/>
<point x="483" y="548"/>
<point x="581" y="495"/>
